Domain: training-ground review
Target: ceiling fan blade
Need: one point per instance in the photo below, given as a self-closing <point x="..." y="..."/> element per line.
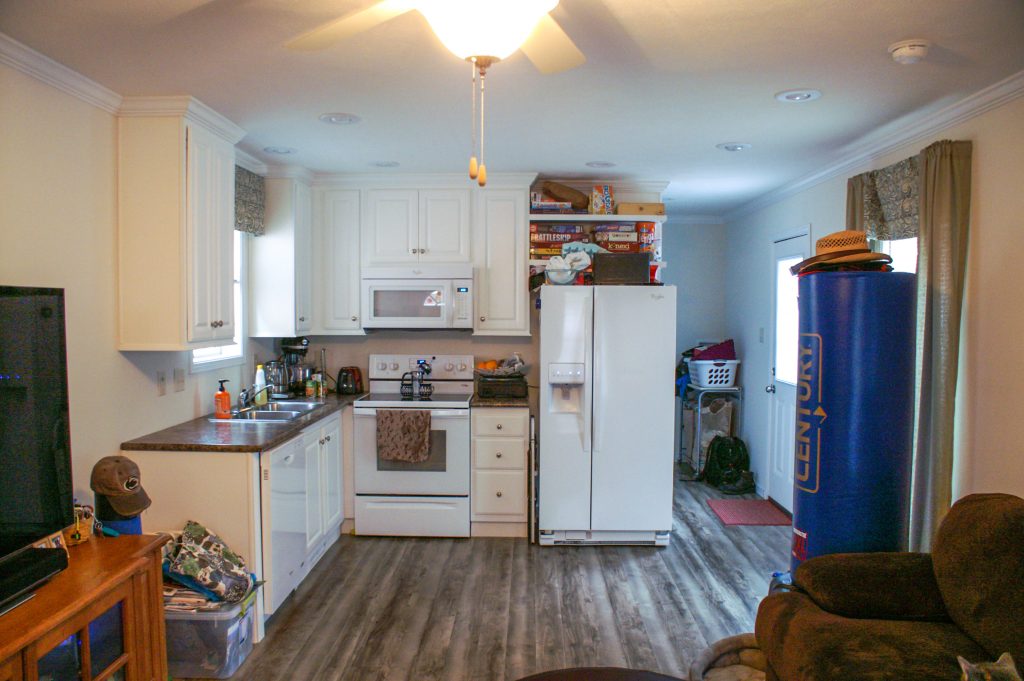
<point x="550" y="49"/>
<point x="349" y="25"/>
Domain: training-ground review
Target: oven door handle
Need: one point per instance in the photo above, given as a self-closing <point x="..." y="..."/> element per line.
<point x="434" y="413"/>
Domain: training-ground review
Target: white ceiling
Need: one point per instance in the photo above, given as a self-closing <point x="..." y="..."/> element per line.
<point x="664" y="81"/>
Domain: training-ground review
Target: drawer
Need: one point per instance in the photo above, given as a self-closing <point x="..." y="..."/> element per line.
<point x="499" y="493"/>
<point x="499" y="452"/>
<point x="501" y="422"/>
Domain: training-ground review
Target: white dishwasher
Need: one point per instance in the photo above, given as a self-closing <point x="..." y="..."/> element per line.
<point x="283" y="492"/>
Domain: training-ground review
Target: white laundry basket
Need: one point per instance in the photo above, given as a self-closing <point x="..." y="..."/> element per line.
<point x="713" y="373"/>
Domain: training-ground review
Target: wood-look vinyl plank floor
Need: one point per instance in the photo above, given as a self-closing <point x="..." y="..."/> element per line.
<point x="395" y="609"/>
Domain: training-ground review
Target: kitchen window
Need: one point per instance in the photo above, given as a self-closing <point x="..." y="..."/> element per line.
<point x="207" y="359"/>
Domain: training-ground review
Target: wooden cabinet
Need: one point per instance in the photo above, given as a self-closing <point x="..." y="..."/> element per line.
<point x="408" y="226"/>
<point x="101" y="618"/>
<point x="336" y="265"/>
<point x="501" y="240"/>
<point x="500" y="445"/>
<point x="281" y="263"/>
<point x="175" y="225"/>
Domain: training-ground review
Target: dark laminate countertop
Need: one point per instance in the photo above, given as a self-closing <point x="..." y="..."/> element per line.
<point x="522" y="402"/>
<point x="203" y="435"/>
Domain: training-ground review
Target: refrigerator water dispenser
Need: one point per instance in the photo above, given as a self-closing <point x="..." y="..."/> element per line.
<point x="566" y="382"/>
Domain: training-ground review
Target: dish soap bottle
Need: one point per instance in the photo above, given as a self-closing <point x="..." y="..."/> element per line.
<point x="260" y="385"/>
<point x="222" y="401"/>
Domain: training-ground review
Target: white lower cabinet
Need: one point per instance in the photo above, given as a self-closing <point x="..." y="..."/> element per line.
<point x="302" y="506"/>
<point x="499" y="492"/>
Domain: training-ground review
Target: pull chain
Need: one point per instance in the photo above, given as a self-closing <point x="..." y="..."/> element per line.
<point x="473" y="168"/>
<point x="482" y="178"/>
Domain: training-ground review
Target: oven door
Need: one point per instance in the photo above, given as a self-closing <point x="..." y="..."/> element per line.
<point x="444" y="473"/>
<point x="412" y="304"/>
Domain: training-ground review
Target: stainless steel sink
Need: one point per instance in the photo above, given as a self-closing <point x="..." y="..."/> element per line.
<point x="289" y="406"/>
<point x="260" y="416"/>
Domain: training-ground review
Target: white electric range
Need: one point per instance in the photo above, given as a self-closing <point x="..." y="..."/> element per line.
<point x="422" y="499"/>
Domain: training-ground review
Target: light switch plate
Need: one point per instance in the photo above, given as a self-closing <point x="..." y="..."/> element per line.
<point x="161" y="383"/>
<point x="179" y="380"/>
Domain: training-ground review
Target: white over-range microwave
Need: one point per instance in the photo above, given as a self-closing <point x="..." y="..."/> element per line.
<point x="418" y="297"/>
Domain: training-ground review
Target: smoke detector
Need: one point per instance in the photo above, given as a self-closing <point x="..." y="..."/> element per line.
<point x="909" y="51"/>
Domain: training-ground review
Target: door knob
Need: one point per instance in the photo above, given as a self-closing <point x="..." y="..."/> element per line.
<point x="769" y="388"/>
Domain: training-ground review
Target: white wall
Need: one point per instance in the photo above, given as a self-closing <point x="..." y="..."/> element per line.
<point x="991" y="437"/>
<point x="58" y="229"/>
<point x="696" y="256"/>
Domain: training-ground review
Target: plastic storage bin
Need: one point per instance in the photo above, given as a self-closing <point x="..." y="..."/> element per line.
<point x="210" y="644"/>
<point x="713" y="373"/>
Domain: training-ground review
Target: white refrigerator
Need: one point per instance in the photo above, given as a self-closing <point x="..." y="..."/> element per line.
<point x="607" y="414"/>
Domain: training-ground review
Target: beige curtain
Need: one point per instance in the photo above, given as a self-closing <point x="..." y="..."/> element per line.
<point x="855" y="202"/>
<point x="945" y="200"/>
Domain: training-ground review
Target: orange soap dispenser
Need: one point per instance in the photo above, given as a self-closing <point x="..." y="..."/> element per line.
<point x="222" y="401"/>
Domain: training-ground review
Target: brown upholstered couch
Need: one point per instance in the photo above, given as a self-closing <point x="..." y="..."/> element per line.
<point x="906" y="616"/>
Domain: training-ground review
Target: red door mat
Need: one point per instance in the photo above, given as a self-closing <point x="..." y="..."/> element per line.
<point x="748" y="512"/>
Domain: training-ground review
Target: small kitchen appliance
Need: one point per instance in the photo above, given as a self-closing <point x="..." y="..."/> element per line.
<point x="418" y="297"/>
<point x="427" y="498"/>
<point x="293" y="352"/>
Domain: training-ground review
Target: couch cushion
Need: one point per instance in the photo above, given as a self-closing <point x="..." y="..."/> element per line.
<point x="802" y="642"/>
<point x="979" y="565"/>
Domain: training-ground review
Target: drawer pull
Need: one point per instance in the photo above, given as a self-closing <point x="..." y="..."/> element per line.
<point x="498" y="455"/>
<point x="499" y="494"/>
<point x="498" y="426"/>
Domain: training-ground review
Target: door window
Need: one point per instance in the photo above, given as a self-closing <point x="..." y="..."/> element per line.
<point x="787" y="320"/>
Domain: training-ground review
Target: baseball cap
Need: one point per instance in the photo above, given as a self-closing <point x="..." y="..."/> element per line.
<point x="117" y="478"/>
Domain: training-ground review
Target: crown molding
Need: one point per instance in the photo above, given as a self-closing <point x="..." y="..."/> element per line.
<point x="182" y="105"/>
<point x="868" y="148"/>
<point x="23" y="58"/>
<point x="250" y="162"/>
<point x="289" y="173"/>
<point x="421" y="180"/>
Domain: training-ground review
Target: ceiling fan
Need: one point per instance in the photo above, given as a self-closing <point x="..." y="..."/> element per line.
<point x="468" y="28"/>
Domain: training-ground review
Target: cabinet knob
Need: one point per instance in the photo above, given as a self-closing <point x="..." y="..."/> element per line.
<point x="302" y="319"/>
<point x="328" y="438"/>
<point x="413" y="251"/>
<point x="498" y="426"/>
<point x="355" y="318"/>
<point x="423" y="250"/>
<point x="498" y="455"/>
<point x="483" y="319"/>
<point x="499" y="494"/>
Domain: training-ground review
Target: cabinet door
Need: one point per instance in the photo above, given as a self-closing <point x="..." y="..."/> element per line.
<point x="332" y="480"/>
<point x="500" y="245"/>
<point x="391" y="229"/>
<point x="209" y="236"/>
<point x="311" y="445"/>
<point x="337" y="262"/>
<point x="10" y="670"/>
<point x="444" y="226"/>
<point x="303" y="258"/>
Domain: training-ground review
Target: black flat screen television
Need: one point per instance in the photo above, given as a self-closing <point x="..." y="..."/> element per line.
<point x="35" y="440"/>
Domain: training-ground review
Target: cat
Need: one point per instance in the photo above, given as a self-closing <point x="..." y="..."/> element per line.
<point x="1002" y="669"/>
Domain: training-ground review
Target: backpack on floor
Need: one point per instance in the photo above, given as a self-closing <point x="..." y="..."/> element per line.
<point x="728" y="465"/>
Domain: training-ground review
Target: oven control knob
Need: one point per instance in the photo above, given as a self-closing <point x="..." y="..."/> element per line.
<point x="462" y="366"/>
<point x="450" y="366"/>
<point x="382" y="365"/>
<point x="394" y="366"/>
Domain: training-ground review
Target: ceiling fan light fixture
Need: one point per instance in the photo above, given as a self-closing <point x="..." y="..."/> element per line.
<point x="483" y="28"/>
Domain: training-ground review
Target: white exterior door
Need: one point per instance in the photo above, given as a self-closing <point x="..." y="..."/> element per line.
<point x="786" y="252"/>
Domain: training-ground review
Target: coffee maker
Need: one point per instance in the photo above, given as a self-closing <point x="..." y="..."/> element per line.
<point x="293" y="352"/>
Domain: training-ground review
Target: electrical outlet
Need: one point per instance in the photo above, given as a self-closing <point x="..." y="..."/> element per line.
<point x="179" y="380"/>
<point x="161" y="383"/>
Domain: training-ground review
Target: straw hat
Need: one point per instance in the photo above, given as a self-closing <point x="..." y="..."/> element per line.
<point x="840" y="247"/>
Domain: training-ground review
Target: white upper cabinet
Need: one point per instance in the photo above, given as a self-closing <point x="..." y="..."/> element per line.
<point x="176" y="194"/>
<point x="281" y="262"/>
<point x="500" y="238"/>
<point x="336" y="262"/>
<point x="409" y="225"/>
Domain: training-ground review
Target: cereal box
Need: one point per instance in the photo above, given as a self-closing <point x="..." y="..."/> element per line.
<point x="602" y="200"/>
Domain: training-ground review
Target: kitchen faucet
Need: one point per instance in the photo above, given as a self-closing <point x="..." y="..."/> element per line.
<point x="247" y="396"/>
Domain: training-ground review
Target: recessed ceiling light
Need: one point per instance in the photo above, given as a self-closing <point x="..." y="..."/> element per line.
<point x="909" y="51"/>
<point x="385" y="164"/>
<point x="733" y="146"/>
<point x="339" y="118"/>
<point x="798" y="96"/>
<point x="600" y="164"/>
<point x="280" y="150"/>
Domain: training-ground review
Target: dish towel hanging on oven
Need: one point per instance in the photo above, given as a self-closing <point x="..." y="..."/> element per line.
<point x="403" y="434"/>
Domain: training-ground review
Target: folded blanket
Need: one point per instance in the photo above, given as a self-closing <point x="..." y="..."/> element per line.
<point x="403" y="434"/>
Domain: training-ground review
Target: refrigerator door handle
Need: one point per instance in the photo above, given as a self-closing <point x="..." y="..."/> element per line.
<point x="589" y="376"/>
